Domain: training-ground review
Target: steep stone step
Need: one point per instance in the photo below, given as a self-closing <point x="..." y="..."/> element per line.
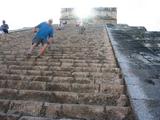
<point x="61" y="97"/>
<point x="72" y="68"/>
<point x="4" y="116"/>
<point x="11" y="54"/>
<point x="61" y="57"/>
<point x="96" y="74"/>
<point x="68" y="87"/>
<point x="60" y="49"/>
<point x="49" y="57"/>
<point x="86" y="80"/>
<point x="64" y="66"/>
<point x="86" y="88"/>
<point x="27" y="78"/>
<point x="111" y="81"/>
<point x="10" y="77"/>
<point x="27" y="67"/>
<point x="31" y="62"/>
<point x="76" y="56"/>
<point x="89" y="112"/>
<point x="53" y="110"/>
<point x="66" y="72"/>
<point x="96" y="69"/>
<point x="55" y="79"/>
<point x="46" y="76"/>
<point x="30" y="72"/>
<point x="98" y="77"/>
<point x="44" y="118"/>
<point x="102" y="65"/>
<point x="59" y="79"/>
<point x="23" y="85"/>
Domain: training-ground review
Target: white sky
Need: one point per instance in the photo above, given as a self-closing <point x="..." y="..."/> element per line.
<point x="28" y="13"/>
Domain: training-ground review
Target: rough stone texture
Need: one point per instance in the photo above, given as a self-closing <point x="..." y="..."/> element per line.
<point x="4" y="105"/>
<point x="53" y="110"/>
<point x="138" y="55"/>
<point x="4" y="116"/>
<point x="76" y="79"/>
<point x="25" y="108"/>
<point x="42" y="118"/>
<point x="85" y="112"/>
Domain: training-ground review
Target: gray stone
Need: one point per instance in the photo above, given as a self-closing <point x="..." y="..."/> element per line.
<point x="139" y="65"/>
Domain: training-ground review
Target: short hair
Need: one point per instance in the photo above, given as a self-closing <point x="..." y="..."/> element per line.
<point x="50" y="20"/>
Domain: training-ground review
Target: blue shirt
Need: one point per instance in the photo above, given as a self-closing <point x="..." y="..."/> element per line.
<point x="4" y="27"/>
<point x="45" y="31"/>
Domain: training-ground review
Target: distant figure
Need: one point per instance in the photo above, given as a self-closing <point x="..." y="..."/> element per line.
<point x="81" y="26"/>
<point x="44" y="35"/>
<point x="61" y="25"/>
<point x="82" y="29"/>
<point x="4" y="27"/>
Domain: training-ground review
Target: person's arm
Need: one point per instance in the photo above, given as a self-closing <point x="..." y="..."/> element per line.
<point x="2" y="27"/>
<point x="35" y="29"/>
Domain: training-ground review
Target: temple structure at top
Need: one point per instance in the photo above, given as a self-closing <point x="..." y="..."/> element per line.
<point x="100" y="15"/>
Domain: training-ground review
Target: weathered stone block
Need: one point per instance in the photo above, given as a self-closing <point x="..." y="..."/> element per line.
<point x="83" y="111"/>
<point x="85" y="88"/>
<point x="116" y="113"/>
<point x="25" y="108"/>
<point x="112" y="89"/>
<point x="4" y="116"/>
<point x="58" y="87"/>
<point x="53" y="110"/>
<point x="33" y="95"/>
<point x="4" y="105"/>
<point x="8" y="93"/>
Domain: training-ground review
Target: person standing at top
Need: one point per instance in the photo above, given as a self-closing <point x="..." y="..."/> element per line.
<point x="4" y="27"/>
<point x="44" y="35"/>
<point x="61" y="24"/>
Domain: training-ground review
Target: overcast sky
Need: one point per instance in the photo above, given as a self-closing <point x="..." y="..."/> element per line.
<point x="28" y="13"/>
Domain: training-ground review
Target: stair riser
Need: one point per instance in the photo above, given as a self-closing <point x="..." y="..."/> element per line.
<point x="60" y="97"/>
<point x="67" y="110"/>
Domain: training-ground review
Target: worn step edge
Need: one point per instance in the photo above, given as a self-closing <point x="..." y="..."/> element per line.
<point x="54" y="110"/>
<point x="51" y="86"/>
<point x="64" y="97"/>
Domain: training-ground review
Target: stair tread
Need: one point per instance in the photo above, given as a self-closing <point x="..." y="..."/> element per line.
<point x="31" y="108"/>
<point x="60" y="96"/>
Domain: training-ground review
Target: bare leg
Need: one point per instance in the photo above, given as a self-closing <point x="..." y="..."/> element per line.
<point x="50" y="41"/>
<point x="32" y="47"/>
<point x="42" y="50"/>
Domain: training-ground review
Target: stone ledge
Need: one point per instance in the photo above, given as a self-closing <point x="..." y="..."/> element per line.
<point x="139" y="71"/>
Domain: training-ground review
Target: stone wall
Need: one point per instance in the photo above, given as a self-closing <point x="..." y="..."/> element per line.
<point x="101" y="15"/>
<point x="138" y="55"/>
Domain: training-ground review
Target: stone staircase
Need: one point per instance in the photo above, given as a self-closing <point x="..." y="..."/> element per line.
<point x="77" y="78"/>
